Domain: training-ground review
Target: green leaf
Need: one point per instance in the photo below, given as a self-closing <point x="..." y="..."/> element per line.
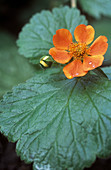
<point x="96" y="8"/>
<point x="35" y="40"/>
<point x="14" y="68"/>
<point x="57" y="122"/>
<point x="103" y="27"/>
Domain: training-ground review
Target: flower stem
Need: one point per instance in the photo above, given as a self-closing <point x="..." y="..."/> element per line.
<point x="73" y="3"/>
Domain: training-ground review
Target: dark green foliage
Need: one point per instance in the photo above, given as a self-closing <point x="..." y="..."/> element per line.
<point x="96" y="8"/>
<point x="14" y="68"/>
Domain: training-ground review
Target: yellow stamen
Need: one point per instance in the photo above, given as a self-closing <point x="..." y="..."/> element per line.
<point x="78" y="50"/>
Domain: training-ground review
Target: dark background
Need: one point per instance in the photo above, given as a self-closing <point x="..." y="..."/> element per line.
<point x="13" y="16"/>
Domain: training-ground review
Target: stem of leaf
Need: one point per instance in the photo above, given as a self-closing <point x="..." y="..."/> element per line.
<point x="73" y="3"/>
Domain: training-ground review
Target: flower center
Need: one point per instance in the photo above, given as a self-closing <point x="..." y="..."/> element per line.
<point x="78" y="50"/>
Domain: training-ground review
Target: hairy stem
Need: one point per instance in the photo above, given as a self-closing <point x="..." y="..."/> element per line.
<point x="73" y="3"/>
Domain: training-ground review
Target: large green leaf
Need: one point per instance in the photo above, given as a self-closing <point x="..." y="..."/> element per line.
<point x="14" y="68"/>
<point x="57" y="122"/>
<point x="35" y="40"/>
<point x="96" y="8"/>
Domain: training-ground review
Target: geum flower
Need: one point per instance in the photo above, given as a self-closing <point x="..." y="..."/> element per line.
<point x="84" y="58"/>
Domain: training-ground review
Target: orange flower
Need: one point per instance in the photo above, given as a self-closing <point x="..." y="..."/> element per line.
<point x="84" y="58"/>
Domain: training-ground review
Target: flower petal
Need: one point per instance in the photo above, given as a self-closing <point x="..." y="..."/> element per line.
<point x="60" y="56"/>
<point x="99" y="46"/>
<point x="62" y="39"/>
<point x="84" y="34"/>
<point x="74" y="69"/>
<point x="92" y="62"/>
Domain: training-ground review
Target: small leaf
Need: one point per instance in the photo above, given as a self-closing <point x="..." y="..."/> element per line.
<point x="14" y="68"/>
<point x="35" y="40"/>
<point x="96" y="8"/>
<point x="57" y="122"/>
